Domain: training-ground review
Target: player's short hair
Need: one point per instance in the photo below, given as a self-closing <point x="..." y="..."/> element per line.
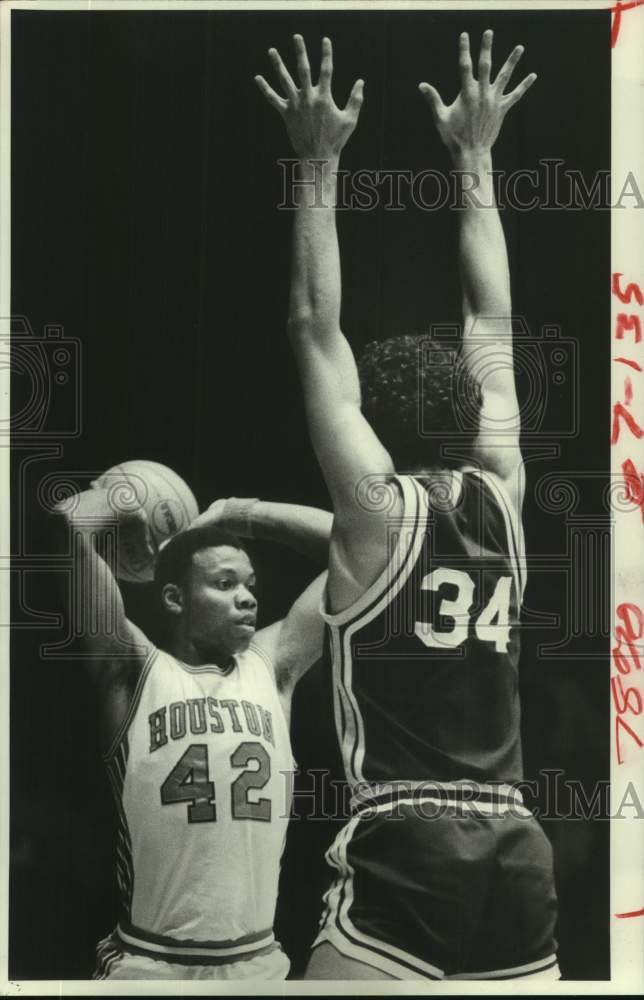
<point x="175" y="557"/>
<point x="409" y="388"/>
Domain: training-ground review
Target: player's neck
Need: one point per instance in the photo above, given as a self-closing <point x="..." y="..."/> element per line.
<point x="183" y="648"/>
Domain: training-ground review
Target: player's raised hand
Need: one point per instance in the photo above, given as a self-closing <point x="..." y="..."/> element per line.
<point x="230" y="514"/>
<point x="315" y="125"/>
<point x="472" y="123"/>
<point x="135" y="533"/>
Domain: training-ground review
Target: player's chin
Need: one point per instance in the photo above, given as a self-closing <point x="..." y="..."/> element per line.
<point x="242" y="638"/>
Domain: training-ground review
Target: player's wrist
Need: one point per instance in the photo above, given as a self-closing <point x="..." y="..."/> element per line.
<point x="238" y="515"/>
<point x="472" y="157"/>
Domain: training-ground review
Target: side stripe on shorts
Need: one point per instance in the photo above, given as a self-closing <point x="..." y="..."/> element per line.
<point x="341" y="932"/>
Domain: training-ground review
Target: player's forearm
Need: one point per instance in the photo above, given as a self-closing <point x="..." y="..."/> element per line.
<point x="314" y="309"/>
<point x="305" y="529"/>
<point x="483" y="255"/>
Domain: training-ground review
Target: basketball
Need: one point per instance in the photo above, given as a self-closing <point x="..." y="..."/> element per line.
<point x="168" y="502"/>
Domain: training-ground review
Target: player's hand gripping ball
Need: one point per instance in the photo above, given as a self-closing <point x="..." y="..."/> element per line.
<point x="152" y="503"/>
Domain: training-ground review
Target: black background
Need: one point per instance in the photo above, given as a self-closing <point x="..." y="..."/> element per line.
<point x="144" y="193"/>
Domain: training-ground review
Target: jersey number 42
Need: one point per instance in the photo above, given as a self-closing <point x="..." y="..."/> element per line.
<point x="189" y="781"/>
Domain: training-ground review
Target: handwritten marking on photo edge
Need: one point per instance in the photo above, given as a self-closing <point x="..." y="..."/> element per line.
<point x="616" y="11"/>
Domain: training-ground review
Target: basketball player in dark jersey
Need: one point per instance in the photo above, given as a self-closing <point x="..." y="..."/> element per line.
<point x="441" y="872"/>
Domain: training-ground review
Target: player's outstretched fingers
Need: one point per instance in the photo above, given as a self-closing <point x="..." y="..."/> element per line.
<point x="273" y="99"/>
<point x="302" y="57"/>
<point x="356" y="97"/>
<point x="507" y="68"/>
<point x="485" y="58"/>
<point x="465" y="59"/>
<point x="518" y="92"/>
<point x="434" y="100"/>
<point x="282" y="72"/>
<point x="326" y="66"/>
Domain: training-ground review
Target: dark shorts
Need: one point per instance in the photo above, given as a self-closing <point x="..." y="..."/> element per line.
<point x="429" y="889"/>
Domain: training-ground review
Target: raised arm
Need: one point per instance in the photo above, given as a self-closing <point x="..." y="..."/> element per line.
<point x="345" y="445"/>
<point x="293" y="644"/>
<point x="305" y="529"/>
<point x="469" y="128"/>
<point x="114" y="648"/>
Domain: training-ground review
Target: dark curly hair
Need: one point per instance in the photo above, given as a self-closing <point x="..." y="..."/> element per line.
<point x="418" y="395"/>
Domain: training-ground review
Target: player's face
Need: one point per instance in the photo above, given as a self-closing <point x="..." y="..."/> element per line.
<point x="220" y="604"/>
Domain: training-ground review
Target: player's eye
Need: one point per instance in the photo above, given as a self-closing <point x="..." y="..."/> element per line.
<point x="223" y="584"/>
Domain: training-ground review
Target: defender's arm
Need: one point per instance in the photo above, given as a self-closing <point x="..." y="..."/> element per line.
<point x="345" y="445"/>
<point x="469" y="128"/>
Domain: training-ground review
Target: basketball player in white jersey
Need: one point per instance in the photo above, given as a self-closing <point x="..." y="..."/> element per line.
<point x="426" y="577"/>
<point x="196" y="737"/>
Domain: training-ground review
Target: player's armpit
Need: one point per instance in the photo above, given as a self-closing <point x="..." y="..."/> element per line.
<point x="496" y="448"/>
<point x="295" y="644"/>
<point x="487" y="352"/>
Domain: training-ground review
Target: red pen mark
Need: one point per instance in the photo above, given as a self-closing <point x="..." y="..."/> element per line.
<point x="626" y="699"/>
<point x="631" y="290"/>
<point x="634" y="483"/>
<point x="633" y="913"/>
<point x="619" y="410"/>
<point x="633" y="364"/>
<point x="630" y="322"/>
<point x="616" y="11"/>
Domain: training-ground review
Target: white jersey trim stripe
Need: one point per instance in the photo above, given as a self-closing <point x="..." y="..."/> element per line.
<point x="411" y="505"/>
<point x="213" y="950"/>
<point x="351" y="733"/>
<point x="479" y="808"/>
<point x="514" y="528"/>
<point x="412" y="551"/>
<point x="125" y="725"/>
<point x="506" y="510"/>
<point x="345" y="714"/>
<point x="464" y="785"/>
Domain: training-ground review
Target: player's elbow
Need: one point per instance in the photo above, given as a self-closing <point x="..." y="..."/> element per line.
<point x="300" y="323"/>
<point x="308" y="327"/>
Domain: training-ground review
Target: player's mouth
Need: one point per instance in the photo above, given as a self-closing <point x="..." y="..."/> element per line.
<point x="248" y="623"/>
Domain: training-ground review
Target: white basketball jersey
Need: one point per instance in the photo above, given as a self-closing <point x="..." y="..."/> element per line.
<point x="202" y="774"/>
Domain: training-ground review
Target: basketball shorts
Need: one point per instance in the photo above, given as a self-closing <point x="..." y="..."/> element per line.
<point x="117" y="960"/>
<point x="435" y="885"/>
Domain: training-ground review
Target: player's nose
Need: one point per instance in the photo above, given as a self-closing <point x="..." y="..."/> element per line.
<point x="245" y="599"/>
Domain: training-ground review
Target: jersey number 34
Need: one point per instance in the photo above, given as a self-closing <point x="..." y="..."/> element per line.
<point x="493" y="623"/>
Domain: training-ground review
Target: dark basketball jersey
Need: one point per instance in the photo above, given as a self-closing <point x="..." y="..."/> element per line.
<point x="425" y="662"/>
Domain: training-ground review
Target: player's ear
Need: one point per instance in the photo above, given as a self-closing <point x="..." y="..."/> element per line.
<point x="172" y="598"/>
